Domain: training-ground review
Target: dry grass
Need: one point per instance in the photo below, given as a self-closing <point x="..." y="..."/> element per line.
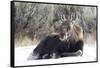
<point x="20" y="41"/>
<point x="24" y="41"/>
<point x="90" y="38"/>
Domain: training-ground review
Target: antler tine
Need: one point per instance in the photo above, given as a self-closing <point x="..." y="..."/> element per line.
<point x="71" y="18"/>
<point x="64" y="17"/>
<point x="61" y="18"/>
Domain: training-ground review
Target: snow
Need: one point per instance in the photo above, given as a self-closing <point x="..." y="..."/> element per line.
<point x="23" y="53"/>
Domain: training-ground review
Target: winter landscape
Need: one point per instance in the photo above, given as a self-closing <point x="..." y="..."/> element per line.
<point x="35" y="21"/>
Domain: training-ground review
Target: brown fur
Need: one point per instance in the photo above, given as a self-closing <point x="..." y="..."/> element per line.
<point x="76" y="32"/>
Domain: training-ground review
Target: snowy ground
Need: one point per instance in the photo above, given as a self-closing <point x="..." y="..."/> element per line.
<point x="22" y="53"/>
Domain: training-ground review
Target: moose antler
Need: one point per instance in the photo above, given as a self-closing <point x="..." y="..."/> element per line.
<point x="63" y="18"/>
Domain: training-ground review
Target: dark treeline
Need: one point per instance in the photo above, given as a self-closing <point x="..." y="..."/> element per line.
<point x="36" y="21"/>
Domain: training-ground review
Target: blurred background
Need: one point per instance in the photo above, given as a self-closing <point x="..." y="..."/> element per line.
<point x="35" y="21"/>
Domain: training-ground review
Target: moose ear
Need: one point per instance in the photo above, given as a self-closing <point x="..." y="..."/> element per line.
<point x="72" y="23"/>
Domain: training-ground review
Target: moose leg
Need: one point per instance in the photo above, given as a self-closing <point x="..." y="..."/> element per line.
<point x="77" y="53"/>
